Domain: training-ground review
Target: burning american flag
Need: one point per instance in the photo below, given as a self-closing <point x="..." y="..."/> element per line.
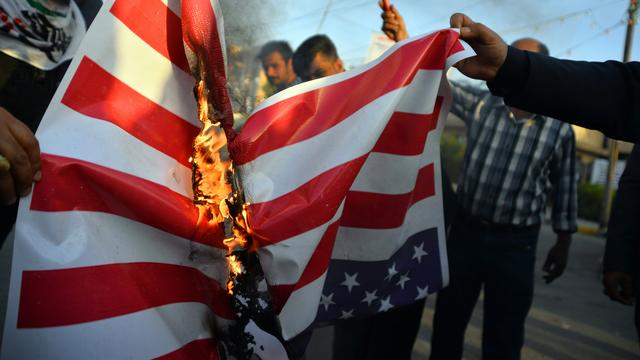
<point x="112" y="259"/>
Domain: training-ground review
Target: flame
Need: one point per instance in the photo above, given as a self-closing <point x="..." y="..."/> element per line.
<point x="214" y="193"/>
<point x="210" y="184"/>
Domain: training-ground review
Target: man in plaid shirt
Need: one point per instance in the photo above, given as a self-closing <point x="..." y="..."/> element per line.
<point x="512" y="160"/>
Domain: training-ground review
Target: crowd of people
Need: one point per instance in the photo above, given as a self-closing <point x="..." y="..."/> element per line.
<point x="519" y="140"/>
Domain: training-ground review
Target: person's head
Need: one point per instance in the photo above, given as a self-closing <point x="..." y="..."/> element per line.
<point x="532" y="45"/>
<point x="277" y="64"/>
<point x="317" y="57"/>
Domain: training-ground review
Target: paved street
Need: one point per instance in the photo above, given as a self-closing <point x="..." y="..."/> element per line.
<point x="570" y="318"/>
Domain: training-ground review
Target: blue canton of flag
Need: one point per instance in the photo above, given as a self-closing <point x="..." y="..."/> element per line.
<point x="356" y="288"/>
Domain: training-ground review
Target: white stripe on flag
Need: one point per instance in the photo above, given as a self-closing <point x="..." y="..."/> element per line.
<point x="103" y="143"/>
<point x="141" y="335"/>
<point x="380" y="244"/>
<point x="284" y="262"/>
<point x="301" y="308"/>
<point x="141" y="67"/>
<point x="60" y="244"/>
<point x="268" y="177"/>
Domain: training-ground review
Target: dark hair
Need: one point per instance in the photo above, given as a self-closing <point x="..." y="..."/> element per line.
<point x="281" y="47"/>
<point x="307" y="51"/>
<point x="542" y="48"/>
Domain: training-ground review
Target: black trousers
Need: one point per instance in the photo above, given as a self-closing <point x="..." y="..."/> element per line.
<point x="501" y="260"/>
<point x="388" y="335"/>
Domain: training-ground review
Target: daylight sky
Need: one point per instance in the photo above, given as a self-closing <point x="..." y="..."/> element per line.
<point x="573" y="29"/>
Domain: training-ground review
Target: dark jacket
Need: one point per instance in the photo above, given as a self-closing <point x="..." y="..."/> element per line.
<point x="602" y="96"/>
<point x="623" y="239"/>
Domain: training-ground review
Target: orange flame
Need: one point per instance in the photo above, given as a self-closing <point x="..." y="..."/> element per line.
<point x="212" y="178"/>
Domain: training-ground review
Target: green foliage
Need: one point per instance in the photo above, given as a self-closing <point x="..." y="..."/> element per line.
<point x="590" y="197"/>
<point x="452" y="151"/>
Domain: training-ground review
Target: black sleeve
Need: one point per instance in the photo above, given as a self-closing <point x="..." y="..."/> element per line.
<point x="623" y="238"/>
<point x="602" y="96"/>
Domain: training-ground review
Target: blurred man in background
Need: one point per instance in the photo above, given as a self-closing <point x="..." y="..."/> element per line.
<point x="317" y="57"/>
<point x="278" y="65"/>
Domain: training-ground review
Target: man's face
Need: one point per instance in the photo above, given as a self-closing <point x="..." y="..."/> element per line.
<point x="322" y="66"/>
<point x="279" y="72"/>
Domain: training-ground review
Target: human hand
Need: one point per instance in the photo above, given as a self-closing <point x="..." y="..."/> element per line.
<point x="392" y="22"/>
<point x="21" y="152"/>
<point x="557" y="258"/>
<point x="618" y="286"/>
<point x="491" y="50"/>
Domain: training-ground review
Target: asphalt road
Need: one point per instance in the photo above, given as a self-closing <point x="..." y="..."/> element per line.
<point x="570" y="318"/>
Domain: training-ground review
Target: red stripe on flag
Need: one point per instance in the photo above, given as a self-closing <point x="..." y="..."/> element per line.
<point x="271" y="221"/>
<point x="203" y="349"/>
<point x="96" y="93"/>
<point x="154" y="23"/>
<point x="75" y="185"/>
<point x="306" y="115"/>
<point x="383" y="211"/>
<point x="200" y="33"/>
<point x="280" y="295"/>
<point x="315" y="268"/>
<point x="79" y="295"/>
<point x="406" y="133"/>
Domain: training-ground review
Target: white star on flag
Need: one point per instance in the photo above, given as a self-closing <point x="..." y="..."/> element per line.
<point x="350" y="281"/>
<point x="422" y="292"/>
<point x="370" y="297"/>
<point x="418" y="253"/>
<point x="385" y="304"/>
<point x="403" y="279"/>
<point x="346" y="314"/>
<point x="326" y="301"/>
<point x="391" y="272"/>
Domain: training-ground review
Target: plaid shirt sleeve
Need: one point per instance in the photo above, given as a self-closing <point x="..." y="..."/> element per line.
<point x="466" y="99"/>
<point x="564" y="181"/>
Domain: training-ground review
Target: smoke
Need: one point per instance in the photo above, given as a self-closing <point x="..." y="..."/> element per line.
<point x="247" y="26"/>
<point x="247" y="22"/>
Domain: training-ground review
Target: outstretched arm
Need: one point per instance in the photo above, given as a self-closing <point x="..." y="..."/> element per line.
<point x="602" y="96"/>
